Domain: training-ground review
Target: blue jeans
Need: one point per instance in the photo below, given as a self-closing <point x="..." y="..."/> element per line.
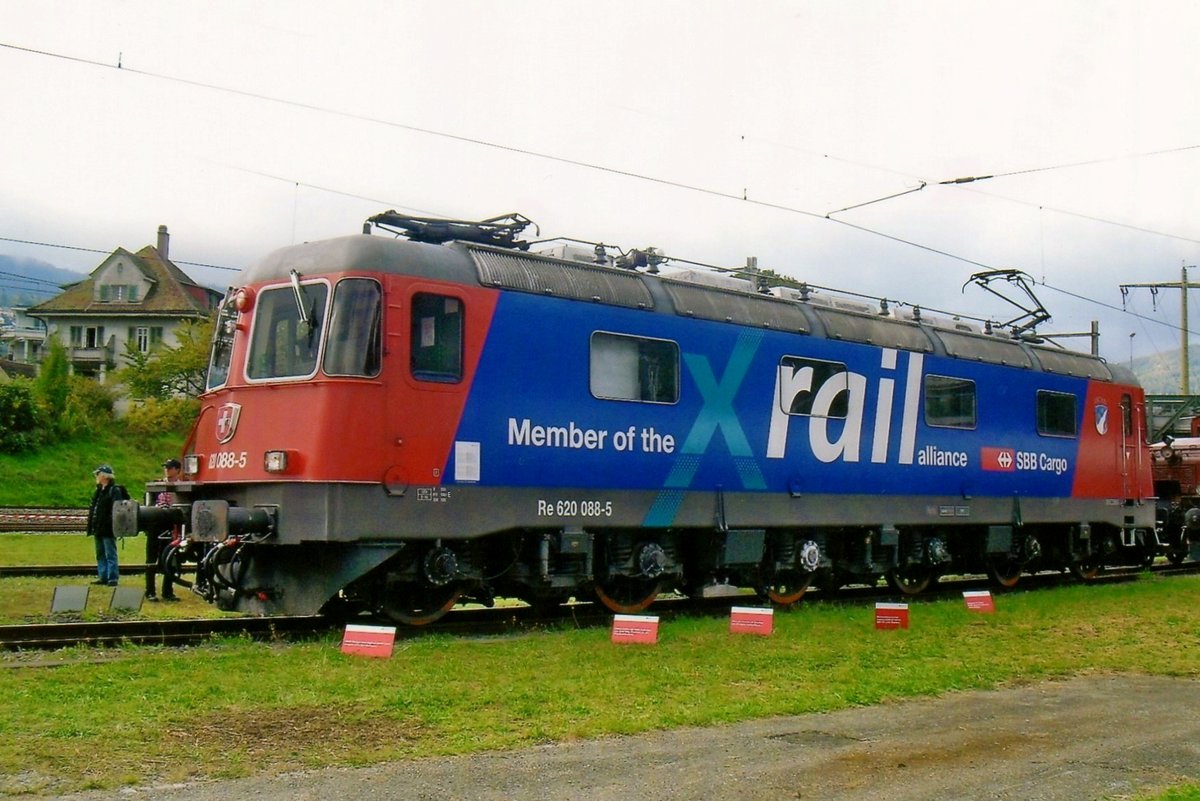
<point x="106" y="559"/>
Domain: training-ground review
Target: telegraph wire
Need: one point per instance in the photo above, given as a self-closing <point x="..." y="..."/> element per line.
<point x="29" y="278"/>
<point x="1089" y="217"/>
<point x="97" y="250"/>
<point x="589" y="165"/>
<point x="1087" y="163"/>
<point x="578" y="162"/>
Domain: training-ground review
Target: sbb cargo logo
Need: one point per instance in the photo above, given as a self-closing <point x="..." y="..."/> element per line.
<point x="998" y="460"/>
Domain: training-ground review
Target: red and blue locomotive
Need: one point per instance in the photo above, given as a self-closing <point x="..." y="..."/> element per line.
<point x="404" y="424"/>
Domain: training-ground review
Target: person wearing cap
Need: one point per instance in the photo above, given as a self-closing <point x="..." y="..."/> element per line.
<point x="158" y="542"/>
<point x="100" y="524"/>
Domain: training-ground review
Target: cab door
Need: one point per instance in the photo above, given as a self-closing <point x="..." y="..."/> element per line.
<point x="1132" y="436"/>
<point x="435" y="340"/>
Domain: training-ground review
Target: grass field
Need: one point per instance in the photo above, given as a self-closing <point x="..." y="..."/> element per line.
<point x="62" y="549"/>
<point x="61" y="474"/>
<point x="238" y="707"/>
<point x="27" y="600"/>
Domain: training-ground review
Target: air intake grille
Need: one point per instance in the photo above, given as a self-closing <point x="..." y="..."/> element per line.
<point x="707" y="303"/>
<point x="525" y="273"/>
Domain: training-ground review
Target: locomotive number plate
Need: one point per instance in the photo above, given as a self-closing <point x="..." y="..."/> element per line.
<point x="564" y="507"/>
<point x="222" y="460"/>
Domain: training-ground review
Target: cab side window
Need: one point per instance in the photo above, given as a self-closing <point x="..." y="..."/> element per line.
<point x="436" y="350"/>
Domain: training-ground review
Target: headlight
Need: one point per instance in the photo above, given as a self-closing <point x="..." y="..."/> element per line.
<point x="191" y="464"/>
<point x="275" y="461"/>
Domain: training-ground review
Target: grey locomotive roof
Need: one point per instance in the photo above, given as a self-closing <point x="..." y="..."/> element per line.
<point x="519" y="271"/>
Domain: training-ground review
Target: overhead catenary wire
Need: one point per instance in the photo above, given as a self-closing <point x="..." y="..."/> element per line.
<point x="101" y="250"/>
<point x="743" y="197"/>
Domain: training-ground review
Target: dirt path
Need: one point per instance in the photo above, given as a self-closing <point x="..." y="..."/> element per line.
<point x="1086" y="738"/>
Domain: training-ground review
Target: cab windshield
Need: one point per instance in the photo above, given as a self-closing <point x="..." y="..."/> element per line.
<point x="222" y="345"/>
<point x="286" y="340"/>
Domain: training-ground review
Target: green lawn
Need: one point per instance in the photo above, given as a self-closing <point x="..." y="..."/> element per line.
<point x="63" y="549"/>
<point x="238" y="707"/>
<point x="61" y="474"/>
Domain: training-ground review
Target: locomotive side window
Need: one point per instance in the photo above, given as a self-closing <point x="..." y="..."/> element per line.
<point x="949" y="402"/>
<point x="1056" y="414"/>
<point x="222" y="346"/>
<point x="353" y="347"/>
<point x="634" y="369"/>
<point x="283" y="344"/>
<point x="813" y="388"/>
<point x="436" y="352"/>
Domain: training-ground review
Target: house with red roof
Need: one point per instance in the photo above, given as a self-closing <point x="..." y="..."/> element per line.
<point x="141" y="297"/>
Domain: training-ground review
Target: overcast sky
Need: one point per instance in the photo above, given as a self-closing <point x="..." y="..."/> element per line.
<point x="246" y="126"/>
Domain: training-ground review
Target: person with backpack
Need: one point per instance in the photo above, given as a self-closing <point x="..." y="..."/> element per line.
<point x="100" y="523"/>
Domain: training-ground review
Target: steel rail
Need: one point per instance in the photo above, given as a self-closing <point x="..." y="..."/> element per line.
<point x="35" y="519"/>
<point x="153" y="632"/>
<point x="473" y="622"/>
<point x="32" y="571"/>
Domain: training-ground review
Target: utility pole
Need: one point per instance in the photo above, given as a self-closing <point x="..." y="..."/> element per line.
<point x="1093" y="335"/>
<point x="1185" y="384"/>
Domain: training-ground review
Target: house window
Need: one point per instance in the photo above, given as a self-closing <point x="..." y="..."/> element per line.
<point x="77" y="336"/>
<point x="142" y="338"/>
<point x="118" y="293"/>
<point x="93" y="336"/>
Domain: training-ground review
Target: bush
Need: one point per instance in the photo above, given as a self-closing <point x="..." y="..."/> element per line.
<point x="169" y="416"/>
<point x="89" y="408"/>
<point x="20" y="419"/>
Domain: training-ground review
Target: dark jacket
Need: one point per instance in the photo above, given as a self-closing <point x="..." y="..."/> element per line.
<point x="100" y="522"/>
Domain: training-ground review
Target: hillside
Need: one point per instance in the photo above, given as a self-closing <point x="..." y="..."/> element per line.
<point x="1159" y="373"/>
<point x="25" y="281"/>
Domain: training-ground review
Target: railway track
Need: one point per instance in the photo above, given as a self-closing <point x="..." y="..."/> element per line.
<point x="474" y="622"/>
<point x="63" y="571"/>
<point x="34" y="519"/>
<point x="154" y="632"/>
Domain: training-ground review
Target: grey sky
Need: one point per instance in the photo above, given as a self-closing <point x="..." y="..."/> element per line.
<point x="803" y="108"/>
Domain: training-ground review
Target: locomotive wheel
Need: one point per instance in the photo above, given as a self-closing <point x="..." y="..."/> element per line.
<point x="1004" y="572"/>
<point x="418" y="605"/>
<point x="1085" y="571"/>
<point x="911" y="579"/>
<point x="625" y="596"/>
<point x="1177" y="553"/>
<point x="787" y="588"/>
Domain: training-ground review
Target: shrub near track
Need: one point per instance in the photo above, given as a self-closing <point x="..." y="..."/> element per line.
<point x="237" y="707"/>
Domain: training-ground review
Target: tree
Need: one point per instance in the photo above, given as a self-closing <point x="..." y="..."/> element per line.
<point x="52" y="385"/>
<point x="169" y="371"/>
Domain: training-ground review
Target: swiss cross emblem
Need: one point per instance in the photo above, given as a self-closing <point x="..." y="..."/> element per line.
<point x="227" y="420"/>
<point x="1101" y="419"/>
<point x="1001" y="460"/>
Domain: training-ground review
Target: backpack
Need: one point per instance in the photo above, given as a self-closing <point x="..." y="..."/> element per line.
<point x="120" y="493"/>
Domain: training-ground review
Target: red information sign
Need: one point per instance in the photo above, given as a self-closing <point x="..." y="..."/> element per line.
<point x="635" y="628"/>
<point x="375" y="641"/>
<point x="751" y="620"/>
<point x="891" y="616"/>
<point x="979" y="601"/>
